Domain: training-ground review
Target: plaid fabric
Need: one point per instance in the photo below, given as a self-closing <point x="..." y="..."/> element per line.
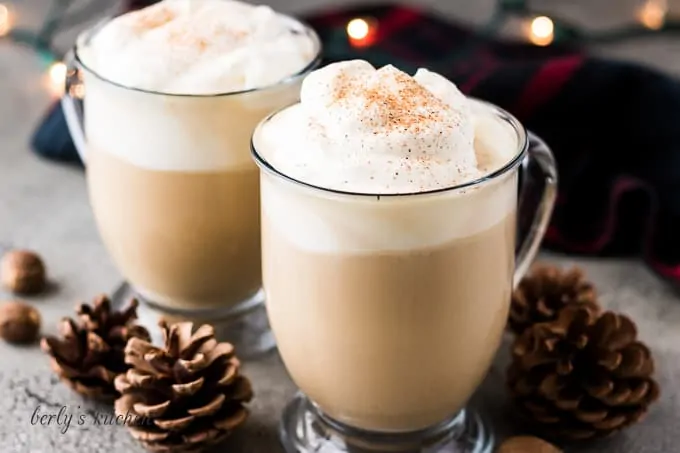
<point x="611" y="124"/>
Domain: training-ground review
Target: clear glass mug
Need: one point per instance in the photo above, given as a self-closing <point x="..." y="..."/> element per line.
<point x="389" y="309"/>
<point x="175" y="193"/>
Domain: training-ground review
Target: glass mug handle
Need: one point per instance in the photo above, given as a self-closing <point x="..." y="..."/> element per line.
<point x="72" y="104"/>
<point x="540" y="156"/>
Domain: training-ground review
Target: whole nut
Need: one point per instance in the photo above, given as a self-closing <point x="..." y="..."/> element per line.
<point x="19" y="322"/>
<point x="527" y="444"/>
<point x="23" y="272"/>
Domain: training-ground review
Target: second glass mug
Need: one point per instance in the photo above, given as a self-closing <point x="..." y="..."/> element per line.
<point x="389" y="309"/>
<point x="175" y="193"/>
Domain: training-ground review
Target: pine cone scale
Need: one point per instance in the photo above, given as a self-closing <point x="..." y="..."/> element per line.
<point x="184" y="370"/>
<point x="209" y="409"/>
<point x="610" y="360"/>
<point x="635" y="361"/>
<point x="229" y="376"/>
<point x="151" y="410"/>
<point x="121" y="383"/>
<point x="140" y="380"/>
<point x="59" y="350"/>
<point x="590" y="416"/>
<point x="242" y="391"/>
<point x="193" y="344"/>
<point x="543" y="309"/>
<point x="209" y="435"/>
<point x="148" y="436"/>
<point x="625" y="333"/>
<point x="232" y="420"/>
<point x="178" y="424"/>
<point x="188" y="389"/>
<point x="225" y="350"/>
<point x="610" y="424"/>
<point x="568" y="404"/>
<point x="642" y="390"/>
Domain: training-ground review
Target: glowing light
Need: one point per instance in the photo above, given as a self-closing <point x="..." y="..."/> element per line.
<point x="358" y="28"/>
<point x="542" y="31"/>
<point x="57" y="78"/>
<point x="653" y="14"/>
<point x="5" y="20"/>
<point x="361" y="32"/>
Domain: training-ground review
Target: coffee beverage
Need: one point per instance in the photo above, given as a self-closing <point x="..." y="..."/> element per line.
<point x="388" y="263"/>
<point x="187" y="239"/>
<point x="391" y="340"/>
<point x="173" y="92"/>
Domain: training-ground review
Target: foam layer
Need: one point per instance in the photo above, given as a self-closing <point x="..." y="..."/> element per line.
<point x="171" y="133"/>
<point x="324" y="223"/>
<point x="199" y="47"/>
<point x="361" y="129"/>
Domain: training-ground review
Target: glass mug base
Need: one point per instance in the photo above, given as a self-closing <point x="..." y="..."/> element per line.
<point x="305" y="429"/>
<point x="245" y="325"/>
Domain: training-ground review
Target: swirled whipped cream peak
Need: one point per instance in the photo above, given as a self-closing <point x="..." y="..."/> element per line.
<point x="199" y="47"/>
<point x="368" y="130"/>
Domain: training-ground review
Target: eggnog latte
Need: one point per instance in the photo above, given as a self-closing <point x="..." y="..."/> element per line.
<point x="388" y="264"/>
<point x="173" y="92"/>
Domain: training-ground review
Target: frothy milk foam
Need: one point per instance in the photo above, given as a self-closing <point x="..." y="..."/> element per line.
<point x="200" y="47"/>
<point x="380" y="131"/>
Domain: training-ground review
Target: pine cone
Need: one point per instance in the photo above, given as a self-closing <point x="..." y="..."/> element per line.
<point x="541" y="295"/>
<point x="90" y="353"/>
<point x="186" y="396"/>
<point x="582" y="376"/>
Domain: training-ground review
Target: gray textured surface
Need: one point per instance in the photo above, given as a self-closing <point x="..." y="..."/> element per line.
<point x="44" y="206"/>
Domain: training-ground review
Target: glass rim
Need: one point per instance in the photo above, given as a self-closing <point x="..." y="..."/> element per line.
<point x="518" y="157"/>
<point x="309" y="67"/>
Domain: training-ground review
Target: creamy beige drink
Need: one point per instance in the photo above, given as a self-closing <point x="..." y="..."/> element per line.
<point x="387" y="287"/>
<point x="173" y="92"/>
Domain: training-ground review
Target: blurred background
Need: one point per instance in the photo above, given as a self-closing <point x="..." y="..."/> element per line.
<point x="588" y="16"/>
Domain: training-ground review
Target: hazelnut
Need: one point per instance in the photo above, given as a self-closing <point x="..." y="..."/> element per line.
<point x="22" y="272"/>
<point x="527" y="444"/>
<point x="19" y="322"/>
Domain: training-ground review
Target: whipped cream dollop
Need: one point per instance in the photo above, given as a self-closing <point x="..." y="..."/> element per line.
<point x="368" y="130"/>
<point x="199" y="47"/>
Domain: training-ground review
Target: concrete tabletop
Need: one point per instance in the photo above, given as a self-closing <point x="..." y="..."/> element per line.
<point x="44" y="206"/>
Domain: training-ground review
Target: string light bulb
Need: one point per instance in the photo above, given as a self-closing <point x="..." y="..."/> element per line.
<point x="5" y="20"/>
<point x="358" y="28"/>
<point x="57" y="78"/>
<point x="361" y="32"/>
<point x="653" y="13"/>
<point x="542" y="31"/>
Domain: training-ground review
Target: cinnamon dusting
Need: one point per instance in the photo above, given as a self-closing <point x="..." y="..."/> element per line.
<point x="152" y="18"/>
<point x="409" y="107"/>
